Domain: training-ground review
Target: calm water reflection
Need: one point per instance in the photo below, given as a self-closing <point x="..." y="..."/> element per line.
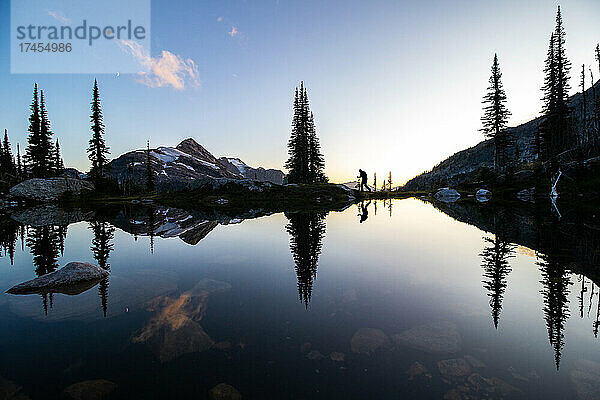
<point x="474" y="300"/>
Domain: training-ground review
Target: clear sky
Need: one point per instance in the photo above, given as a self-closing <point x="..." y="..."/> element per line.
<point x="394" y="85"/>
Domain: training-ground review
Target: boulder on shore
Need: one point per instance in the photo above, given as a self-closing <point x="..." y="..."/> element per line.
<point x="49" y="189"/>
<point x="73" y="278"/>
<point x="447" y="195"/>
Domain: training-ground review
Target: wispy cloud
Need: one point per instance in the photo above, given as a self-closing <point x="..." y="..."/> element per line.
<point x="59" y="16"/>
<point x="166" y="70"/>
<point x="219" y="19"/>
<point x="233" y="32"/>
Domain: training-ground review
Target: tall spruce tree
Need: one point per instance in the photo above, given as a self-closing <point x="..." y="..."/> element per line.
<point x="46" y="145"/>
<point x="97" y="150"/>
<point x="59" y="165"/>
<point x="32" y="152"/>
<point x="20" y="170"/>
<point x="1" y="159"/>
<point x="305" y="162"/>
<point x="495" y="117"/>
<point x="557" y="126"/>
<point x="149" y="170"/>
<point x="8" y="165"/>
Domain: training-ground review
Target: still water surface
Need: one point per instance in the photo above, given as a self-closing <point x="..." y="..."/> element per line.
<point x="301" y="306"/>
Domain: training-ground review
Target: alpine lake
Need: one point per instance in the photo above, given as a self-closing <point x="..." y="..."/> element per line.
<point x="387" y="299"/>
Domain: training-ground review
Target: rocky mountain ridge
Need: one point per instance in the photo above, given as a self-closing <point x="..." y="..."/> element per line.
<point x="185" y="166"/>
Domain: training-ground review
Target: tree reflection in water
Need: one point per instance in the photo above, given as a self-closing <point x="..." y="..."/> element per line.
<point x="306" y="230"/>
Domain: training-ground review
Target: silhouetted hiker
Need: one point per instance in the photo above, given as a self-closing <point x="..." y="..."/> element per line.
<point x="362" y="176"/>
<point x="364" y="211"/>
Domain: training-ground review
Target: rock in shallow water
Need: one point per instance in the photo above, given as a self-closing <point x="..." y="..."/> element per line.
<point x="73" y="278"/>
<point x="96" y="389"/>
<point x="367" y="340"/>
<point x="586" y="379"/>
<point x="440" y="337"/>
<point x="453" y="368"/>
<point x="224" y="391"/>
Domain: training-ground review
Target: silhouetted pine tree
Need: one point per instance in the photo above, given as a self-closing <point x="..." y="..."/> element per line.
<point x="20" y="171"/>
<point x="305" y="162"/>
<point x="556" y="129"/>
<point x="59" y="165"/>
<point x="149" y="170"/>
<point x="46" y="145"/>
<point x="33" y="152"/>
<point x="8" y="164"/>
<point x="389" y="181"/>
<point x="496" y="269"/>
<point x="97" y="150"/>
<point x="495" y="117"/>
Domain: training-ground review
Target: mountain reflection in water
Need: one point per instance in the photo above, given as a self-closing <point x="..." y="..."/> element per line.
<point x="191" y="304"/>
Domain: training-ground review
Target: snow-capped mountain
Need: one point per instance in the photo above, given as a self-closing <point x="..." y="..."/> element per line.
<point x="179" y="167"/>
<point x="237" y="166"/>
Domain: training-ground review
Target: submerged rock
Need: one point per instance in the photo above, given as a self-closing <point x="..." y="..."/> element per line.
<point x="315" y="355"/>
<point x="337" y="356"/>
<point x="11" y="391"/>
<point x="73" y="278"/>
<point x="96" y="389"/>
<point x="224" y="391"/>
<point x="175" y="330"/>
<point x="417" y="369"/>
<point x="49" y="189"/>
<point x="447" y="195"/>
<point x="453" y="368"/>
<point x="475" y="363"/>
<point x="367" y="340"/>
<point x="440" y="337"/>
<point x="586" y="379"/>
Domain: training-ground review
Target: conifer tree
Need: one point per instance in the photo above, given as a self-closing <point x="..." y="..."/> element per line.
<point x="495" y="117"/>
<point x="1" y="159"/>
<point x="305" y="162"/>
<point x="59" y="165"/>
<point x="32" y="152"/>
<point x="389" y="182"/>
<point x="8" y="165"/>
<point x="97" y="150"/>
<point x="20" y="171"/>
<point x="46" y="145"/>
<point x="149" y="171"/>
<point x="556" y="129"/>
